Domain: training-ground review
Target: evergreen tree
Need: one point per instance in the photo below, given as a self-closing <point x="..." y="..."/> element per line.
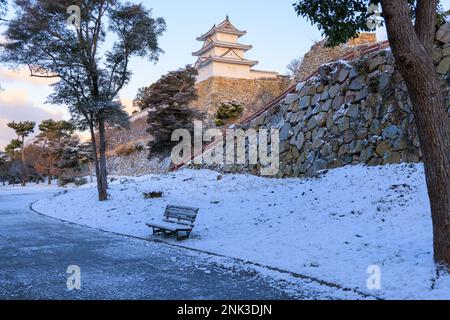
<point x="13" y="148"/>
<point x="51" y="139"/>
<point x="90" y="75"/>
<point x="3" y="170"/>
<point x="168" y="101"/>
<point x="86" y="157"/>
<point x="23" y="130"/>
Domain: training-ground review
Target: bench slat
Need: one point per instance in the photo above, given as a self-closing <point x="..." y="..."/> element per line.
<point x="169" y="226"/>
<point x="179" y="215"/>
<point x="182" y="208"/>
<point x="193" y="214"/>
<point x="182" y="222"/>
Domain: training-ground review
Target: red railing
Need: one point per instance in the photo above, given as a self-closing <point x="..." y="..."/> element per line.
<point x="347" y="57"/>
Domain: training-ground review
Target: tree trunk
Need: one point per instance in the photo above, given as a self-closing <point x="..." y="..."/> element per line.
<point x="90" y="171"/>
<point x="101" y="191"/>
<point x="102" y="152"/>
<point x="49" y="177"/>
<point x="432" y="121"/>
<point x="24" y="166"/>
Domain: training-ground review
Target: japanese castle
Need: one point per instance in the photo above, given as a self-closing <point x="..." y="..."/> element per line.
<point x="223" y="56"/>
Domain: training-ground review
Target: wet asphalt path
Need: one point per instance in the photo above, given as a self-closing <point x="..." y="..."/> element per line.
<point x="36" y="251"/>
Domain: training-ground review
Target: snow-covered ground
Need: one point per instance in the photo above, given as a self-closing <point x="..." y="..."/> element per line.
<point x="332" y="228"/>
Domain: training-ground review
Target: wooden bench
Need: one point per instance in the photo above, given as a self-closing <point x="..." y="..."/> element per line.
<point x="177" y="219"/>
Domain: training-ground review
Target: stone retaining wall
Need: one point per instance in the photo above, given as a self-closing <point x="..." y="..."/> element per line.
<point x="349" y="114"/>
<point x="252" y="94"/>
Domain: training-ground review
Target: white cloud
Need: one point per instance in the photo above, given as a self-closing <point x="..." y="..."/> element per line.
<point x="22" y="76"/>
<point x="15" y="105"/>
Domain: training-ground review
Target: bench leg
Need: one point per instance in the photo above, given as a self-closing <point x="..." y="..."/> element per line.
<point x="185" y="237"/>
<point x="168" y="233"/>
<point x="157" y="231"/>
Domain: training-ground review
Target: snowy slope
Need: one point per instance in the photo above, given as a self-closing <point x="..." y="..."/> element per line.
<point x="332" y="228"/>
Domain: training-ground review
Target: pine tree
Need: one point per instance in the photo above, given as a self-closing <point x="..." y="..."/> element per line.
<point x="86" y="157"/>
<point x="89" y="74"/>
<point x="168" y="101"/>
<point x="51" y="139"/>
<point x="3" y="170"/>
<point x="23" y="130"/>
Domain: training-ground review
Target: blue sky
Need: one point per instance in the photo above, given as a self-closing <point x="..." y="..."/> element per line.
<point x="274" y="30"/>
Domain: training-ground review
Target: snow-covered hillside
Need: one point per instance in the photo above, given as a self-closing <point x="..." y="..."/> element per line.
<point x="333" y="227"/>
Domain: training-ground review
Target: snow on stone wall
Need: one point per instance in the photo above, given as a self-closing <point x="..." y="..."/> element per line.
<point x="136" y="164"/>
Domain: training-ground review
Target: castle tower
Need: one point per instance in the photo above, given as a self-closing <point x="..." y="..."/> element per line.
<point x="223" y="56"/>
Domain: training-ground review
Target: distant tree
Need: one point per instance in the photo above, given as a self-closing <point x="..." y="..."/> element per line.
<point x="13" y="148"/>
<point x="23" y="130"/>
<point x="86" y="157"/>
<point x="75" y="162"/>
<point x="35" y="168"/>
<point x="90" y="75"/>
<point x="168" y="103"/>
<point x="53" y="134"/>
<point x="4" y="168"/>
<point x="69" y="158"/>
<point x="3" y="9"/>
<point x="15" y="169"/>
<point x="294" y="66"/>
<point x="411" y="27"/>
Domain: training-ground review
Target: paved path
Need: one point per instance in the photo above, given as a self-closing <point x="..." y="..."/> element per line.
<point x="35" y="252"/>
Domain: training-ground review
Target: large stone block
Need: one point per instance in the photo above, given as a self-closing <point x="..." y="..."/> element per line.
<point x="299" y="86"/>
<point x="343" y="74"/>
<point x="326" y="106"/>
<point x="291" y="98"/>
<point x="362" y="94"/>
<point x="357" y="83"/>
<point x="321" y="119"/>
<point x="444" y="66"/>
<point x="443" y="34"/>
<point x="286" y="131"/>
<point x="446" y="50"/>
<point x="298" y="141"/>
<point x="338" y="101"/>
<point x="383" y="147"/>
<point x="391" y="132"/>
<point x="334" y="90"/>
<point x="312" y="123"/>
<point x="352" y="111"/>
<point x="376" y="61"/>
<point x="344" y="124"/>
<point x="305" y="102"/>
<point x="391" y="158"/>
